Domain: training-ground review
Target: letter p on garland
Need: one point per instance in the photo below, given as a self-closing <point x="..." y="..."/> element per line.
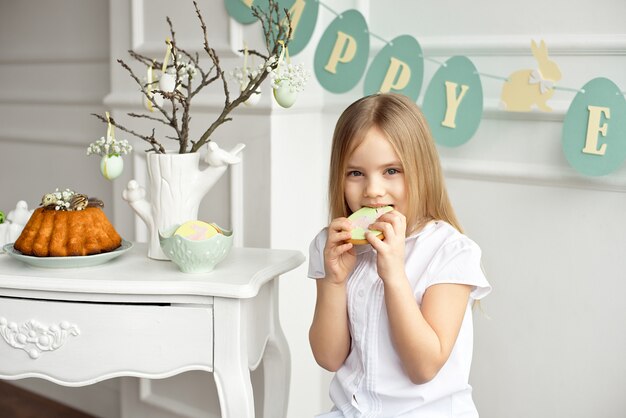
<point x="343" y="52"/>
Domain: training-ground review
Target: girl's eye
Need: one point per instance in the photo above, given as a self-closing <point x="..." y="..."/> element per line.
<point x="393" y="171"/>
<point x="354" y="173"/>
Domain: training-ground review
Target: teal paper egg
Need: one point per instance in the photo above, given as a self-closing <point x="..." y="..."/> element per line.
<point x="453" y="102"/>
<point x="241" y="10"/>
<point x="594" y="129"/>
<point x="397" y="68"/>
<point x="304" y="15"/>
<point x="342" y="52"/>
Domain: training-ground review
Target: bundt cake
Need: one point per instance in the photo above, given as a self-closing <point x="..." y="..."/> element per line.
<point x="71" y="226"/>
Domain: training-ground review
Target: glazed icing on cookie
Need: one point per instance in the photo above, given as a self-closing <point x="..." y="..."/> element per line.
<point x="362" y="219"/>
<point x="196" y="230"/>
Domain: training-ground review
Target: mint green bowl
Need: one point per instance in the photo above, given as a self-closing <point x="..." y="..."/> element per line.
<point x="195" y="256"/>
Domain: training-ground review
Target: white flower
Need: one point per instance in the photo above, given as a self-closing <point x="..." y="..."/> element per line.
<point x="109" y="146"/>
<point x="186" y="68"/>
<point x="294" y="76"/>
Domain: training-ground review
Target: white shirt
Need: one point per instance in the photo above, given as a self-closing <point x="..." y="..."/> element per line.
<point x="371" y="382"/>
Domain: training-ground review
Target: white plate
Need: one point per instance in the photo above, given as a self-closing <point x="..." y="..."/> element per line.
<point x="68" y="262"/>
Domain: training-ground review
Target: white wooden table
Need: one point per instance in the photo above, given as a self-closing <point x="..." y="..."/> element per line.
<point x="134" y="316"/>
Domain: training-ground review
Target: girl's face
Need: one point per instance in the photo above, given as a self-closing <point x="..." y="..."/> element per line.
<point x="374" y="176"/>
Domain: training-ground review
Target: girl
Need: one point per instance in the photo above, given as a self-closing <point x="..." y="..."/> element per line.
<point x="393" y="318"/>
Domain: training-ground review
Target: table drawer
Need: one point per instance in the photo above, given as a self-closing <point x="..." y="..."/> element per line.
<point x="80" y="343"/>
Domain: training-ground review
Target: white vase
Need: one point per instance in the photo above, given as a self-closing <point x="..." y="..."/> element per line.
<point x="177" y="186"/>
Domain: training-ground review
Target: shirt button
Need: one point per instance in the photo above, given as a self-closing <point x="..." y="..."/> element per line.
<point x="361" y="293"/>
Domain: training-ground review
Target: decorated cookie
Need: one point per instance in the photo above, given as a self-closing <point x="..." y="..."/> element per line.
<point x="362" y="219"/>
<point x="196" y="230"/>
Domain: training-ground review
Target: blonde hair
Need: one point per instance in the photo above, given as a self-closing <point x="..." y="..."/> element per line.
<point x="407" y="130"/>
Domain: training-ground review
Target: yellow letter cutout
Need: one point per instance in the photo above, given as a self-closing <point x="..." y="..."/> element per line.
<point x="397" y="77"/>
<point x="295" y="13"/>
<point x="452" y="103"/>
<point x="593" y="127"/>
<point x="248" y="2"/>
<point x="344" y="41"/>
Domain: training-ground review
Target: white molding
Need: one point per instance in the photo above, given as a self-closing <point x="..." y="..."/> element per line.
<point x="493" y="110"/>
<point x="66" y="57"/>
<point x="136" y="25"/>
<point x="50" y="99"/>
<point x="214" y="104"/>
<point x="153" y="48"/>
<point x="149" y="397"/>
<point x="121" y="373"/>
<point x="530" y="174"/>
<point x="512" y="45"/>
<point x="49" y="138"/>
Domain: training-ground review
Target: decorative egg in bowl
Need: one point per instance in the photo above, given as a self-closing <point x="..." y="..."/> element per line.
<point x="196" y="246"/>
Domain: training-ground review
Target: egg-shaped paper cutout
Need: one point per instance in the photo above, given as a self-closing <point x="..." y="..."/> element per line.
<point x="453" y="102"/>
<point x="304" y="15"/>
<point x="594" y="129"/>
<point x="241" y="10"/>
<point x="397" y="68"/>
<point x="342" y="52"/>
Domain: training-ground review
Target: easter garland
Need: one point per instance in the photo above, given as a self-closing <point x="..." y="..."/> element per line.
<point x="594" y="127"/>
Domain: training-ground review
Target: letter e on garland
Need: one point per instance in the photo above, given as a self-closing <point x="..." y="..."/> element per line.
<point x="342" y="52"/>
<point x="594" y="129"/>
<point x="453" y="102"/>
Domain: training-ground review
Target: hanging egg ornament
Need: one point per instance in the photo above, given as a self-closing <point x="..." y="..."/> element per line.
<point x="285" y="95"/>
<point x="167" y="82"/>
<point x="254" y="98"/>
<point x="111" y="166"/>
<point x="151" y="87"/>
<point x="158" y="99"/>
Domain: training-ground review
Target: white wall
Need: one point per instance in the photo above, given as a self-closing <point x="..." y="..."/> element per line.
<point x="552" y="240"/>
<point x="54" y="72"/>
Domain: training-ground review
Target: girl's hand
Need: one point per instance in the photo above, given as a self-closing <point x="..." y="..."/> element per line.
<point x="390" y="258"/>
<point x="339" y="255"/>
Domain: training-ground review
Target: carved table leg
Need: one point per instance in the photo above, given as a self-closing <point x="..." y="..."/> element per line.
<point x="276" y="365"/>
<point x="231" y="372"/>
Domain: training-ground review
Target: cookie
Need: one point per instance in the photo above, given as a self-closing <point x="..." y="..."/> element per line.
<point x="362" y="219"/>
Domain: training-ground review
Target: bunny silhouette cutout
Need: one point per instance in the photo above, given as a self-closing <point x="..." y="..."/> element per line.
<point x="526" y="89"/>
